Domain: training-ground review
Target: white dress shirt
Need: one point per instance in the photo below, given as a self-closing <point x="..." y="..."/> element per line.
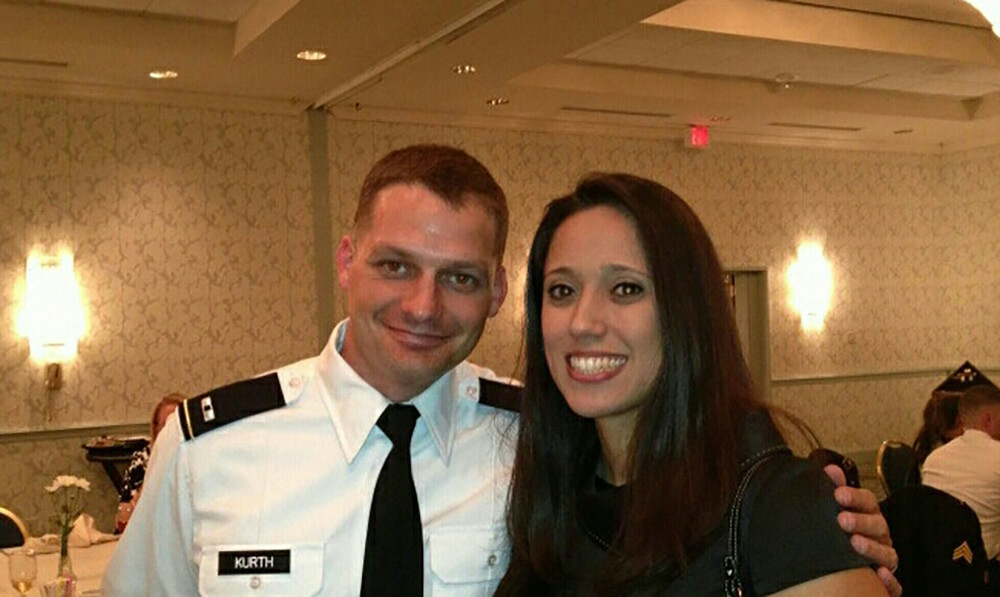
<point x="299" y="479"/>
<point x="968" y="467"/>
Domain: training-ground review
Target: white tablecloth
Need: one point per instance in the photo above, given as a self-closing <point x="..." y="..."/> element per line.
<point x="88" y="564"/>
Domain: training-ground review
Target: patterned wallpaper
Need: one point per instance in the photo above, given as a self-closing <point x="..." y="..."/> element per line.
<point x="31" y="464"/>
<point x="192" y="234"/>
<point x="914" y="241"/>
<point x="192" y="231"/>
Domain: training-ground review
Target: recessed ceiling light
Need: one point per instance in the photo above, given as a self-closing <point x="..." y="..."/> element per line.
<point x="311" y="55"/>
<point x="162" y="74"/>
<point x="498" y="101"/>
<point x="463" y="69"/>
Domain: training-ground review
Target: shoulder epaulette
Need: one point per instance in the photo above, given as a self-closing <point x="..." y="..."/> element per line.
<point x="227" y="404"/>
<point x="499" y="395"/>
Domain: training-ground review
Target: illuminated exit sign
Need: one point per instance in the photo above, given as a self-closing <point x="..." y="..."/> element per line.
<point x="697" y="137"/>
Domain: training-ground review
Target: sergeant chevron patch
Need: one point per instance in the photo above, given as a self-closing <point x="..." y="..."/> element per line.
<point x="962" y="552"/>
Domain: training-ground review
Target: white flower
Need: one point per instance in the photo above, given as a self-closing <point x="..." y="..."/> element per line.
<point x="67" y="481"/>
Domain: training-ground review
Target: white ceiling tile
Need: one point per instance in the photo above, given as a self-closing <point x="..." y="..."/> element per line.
<point x="698" y="57"/>
<point x="624" y="51"/>
<point x="795" y="57"/>
<point x="639" y="44"/>
<point x="727" y="55"/>
<point x="670" y="37"/>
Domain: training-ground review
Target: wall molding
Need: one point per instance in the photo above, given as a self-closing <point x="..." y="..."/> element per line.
<point x="86" y="431"/>
<point x="872" y="376"/>
<point x="671" y="132"/>
<point x="158" y="97"/>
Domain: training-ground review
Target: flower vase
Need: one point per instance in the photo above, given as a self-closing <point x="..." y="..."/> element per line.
<point x="65" y="563"/>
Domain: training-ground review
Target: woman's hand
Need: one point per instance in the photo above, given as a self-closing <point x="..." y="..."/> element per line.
<point x="869" y="531"/>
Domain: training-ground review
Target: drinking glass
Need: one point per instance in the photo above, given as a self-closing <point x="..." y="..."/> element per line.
<point x="23" y="568"/>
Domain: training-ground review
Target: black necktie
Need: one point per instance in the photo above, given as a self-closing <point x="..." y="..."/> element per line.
<point x="394" y="548"/>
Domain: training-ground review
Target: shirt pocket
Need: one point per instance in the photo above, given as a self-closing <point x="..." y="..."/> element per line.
<point x="222" y="570"/>
<point x="467" y="561"/>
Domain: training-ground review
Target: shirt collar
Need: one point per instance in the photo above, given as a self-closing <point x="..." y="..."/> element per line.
<point x="971" y="434"/>
<point x="355" y="406"/>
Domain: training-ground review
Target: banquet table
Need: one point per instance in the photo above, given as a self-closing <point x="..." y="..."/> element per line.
<point x="88" y="565"/>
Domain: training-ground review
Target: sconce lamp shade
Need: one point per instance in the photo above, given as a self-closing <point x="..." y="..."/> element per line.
<point x="52" y="317"/>
<point x="810" y="279"/>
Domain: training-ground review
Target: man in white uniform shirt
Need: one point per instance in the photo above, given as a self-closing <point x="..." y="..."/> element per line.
<point x="968" y="467"/>
<point x="265" y="487"/>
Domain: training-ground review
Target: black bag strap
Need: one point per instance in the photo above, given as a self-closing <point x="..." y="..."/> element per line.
<point x="731" y="564"/>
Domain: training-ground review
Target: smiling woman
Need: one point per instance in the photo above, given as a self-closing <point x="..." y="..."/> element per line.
<point x="640" y="419"/>
<point x="600" y="325"/>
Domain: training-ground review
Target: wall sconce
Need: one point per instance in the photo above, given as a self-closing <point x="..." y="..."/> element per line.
<point x="52" y="317"/>
<point x="810" y="279"/>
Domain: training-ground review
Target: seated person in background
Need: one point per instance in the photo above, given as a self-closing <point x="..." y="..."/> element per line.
<point x="136" y="471"/>
<point x="968" y="467"/>
<point x="940" y="424"/>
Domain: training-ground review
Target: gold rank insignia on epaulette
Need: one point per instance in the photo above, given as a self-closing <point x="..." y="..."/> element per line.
<point x="499" y="395"/>
<point x="227" y="404"/>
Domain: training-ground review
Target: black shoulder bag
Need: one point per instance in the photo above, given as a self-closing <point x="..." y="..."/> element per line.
<point x="731" y="564"/>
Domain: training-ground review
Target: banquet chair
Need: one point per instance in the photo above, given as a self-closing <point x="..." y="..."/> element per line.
<point x="939" y="543"/>
<point x="896" y="466"/>
<point x="825" y="456"/>
<point x="13" y="533"/>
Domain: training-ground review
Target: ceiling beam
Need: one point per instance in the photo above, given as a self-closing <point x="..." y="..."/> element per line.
<point x="834" y="27"/>
<point x="258" y="19"/>
<point x="521" y="36"/>
<point x="762" y="95"/>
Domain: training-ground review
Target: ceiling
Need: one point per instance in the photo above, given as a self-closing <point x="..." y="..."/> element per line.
<point x="898" y="75"/>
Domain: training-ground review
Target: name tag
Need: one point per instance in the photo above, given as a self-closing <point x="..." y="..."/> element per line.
<point x="270" y="561"/>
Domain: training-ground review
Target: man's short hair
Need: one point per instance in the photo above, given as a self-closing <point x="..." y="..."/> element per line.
<point x="448" y="172"/>
<point x="976" y="398"/>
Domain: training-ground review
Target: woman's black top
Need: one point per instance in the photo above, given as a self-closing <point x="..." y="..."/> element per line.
<point x="788" y="535"/>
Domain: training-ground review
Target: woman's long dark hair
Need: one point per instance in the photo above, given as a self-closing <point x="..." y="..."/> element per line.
<point x="683" y="464"/>
<point x="940" y="421"/>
